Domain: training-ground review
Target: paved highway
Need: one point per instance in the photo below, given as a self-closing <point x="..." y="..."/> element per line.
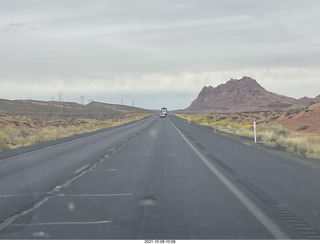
<point x="157" y="179"/>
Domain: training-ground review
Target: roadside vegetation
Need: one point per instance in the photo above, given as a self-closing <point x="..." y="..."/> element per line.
<point x="22" y="132"/>
<point x="269" y="132"/>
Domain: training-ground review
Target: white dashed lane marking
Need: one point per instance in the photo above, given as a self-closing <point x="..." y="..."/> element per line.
<point x="95" y="195"/>
<point x="66" y="223"/>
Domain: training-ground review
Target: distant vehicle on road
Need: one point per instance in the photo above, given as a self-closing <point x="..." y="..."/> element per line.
<point x="164" y="112"/>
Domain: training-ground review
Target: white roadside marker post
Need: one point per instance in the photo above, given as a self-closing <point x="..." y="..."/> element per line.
<point x="255" y="132"/>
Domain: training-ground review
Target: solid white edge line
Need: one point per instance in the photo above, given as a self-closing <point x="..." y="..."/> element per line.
<point x="254" y="209"/>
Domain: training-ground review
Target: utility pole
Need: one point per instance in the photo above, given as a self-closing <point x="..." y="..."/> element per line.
<point x="60" y="98"/>
<point x="82" y="99"/>
<point x="28" y="107"/>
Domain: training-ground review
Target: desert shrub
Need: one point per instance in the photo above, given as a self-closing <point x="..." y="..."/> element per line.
<point x="303" y="127"/>
<point x="221" y="118"/>
<point x="283" y="133"/>
<point x="288" y="113"/>
<point x="4" y="144"/>
<point x="24" y="133"/>
<point x="297" y="111"/>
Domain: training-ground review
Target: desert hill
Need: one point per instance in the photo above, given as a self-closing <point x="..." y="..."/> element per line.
<point x="94" y="110"/>
<point x="25" y="122"/>
<point x="242" y="95"/>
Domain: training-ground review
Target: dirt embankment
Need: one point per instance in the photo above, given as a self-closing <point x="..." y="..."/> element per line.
<point x="306" y="120"/>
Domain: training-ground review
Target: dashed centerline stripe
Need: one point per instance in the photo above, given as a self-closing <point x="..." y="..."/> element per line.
<point x="66" y="223"/>
<point x="94" y="195"/>
<point x="104" y="170"/>
<point x="81" y="169"/>
<point x="21" y="195"/>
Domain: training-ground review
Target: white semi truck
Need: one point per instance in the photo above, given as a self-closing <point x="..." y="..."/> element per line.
<point x="163" y="112"/>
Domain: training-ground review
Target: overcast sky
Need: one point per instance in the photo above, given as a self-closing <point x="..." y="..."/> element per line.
<point x="156" y="52"/>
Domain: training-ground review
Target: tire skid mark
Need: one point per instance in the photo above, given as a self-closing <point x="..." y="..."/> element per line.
<point x="222" y="164"/>
<point x="299" y="225"/>
<point x="200" y="146"/>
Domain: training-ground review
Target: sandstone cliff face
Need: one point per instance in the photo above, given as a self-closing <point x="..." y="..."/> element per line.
<point x="239" y="95"/>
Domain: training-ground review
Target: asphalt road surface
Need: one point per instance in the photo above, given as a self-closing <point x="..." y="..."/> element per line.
<point x="156" y="179"/>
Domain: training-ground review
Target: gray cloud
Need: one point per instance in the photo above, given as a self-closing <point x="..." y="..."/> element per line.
<point x="138" y="43"/>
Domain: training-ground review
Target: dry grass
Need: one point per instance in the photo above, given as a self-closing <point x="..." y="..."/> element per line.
<point x="271" y="133"/>
<point x="13" y="136"/>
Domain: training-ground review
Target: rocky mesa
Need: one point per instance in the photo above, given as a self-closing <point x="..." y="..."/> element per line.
<point x="243" y="95"/>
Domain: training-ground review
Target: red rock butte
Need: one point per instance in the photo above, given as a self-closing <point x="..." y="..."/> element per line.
<point x="243" y="95"/>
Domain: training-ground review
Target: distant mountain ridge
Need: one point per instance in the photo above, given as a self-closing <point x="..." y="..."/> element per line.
<point x="242" y="95"/>
<point x="70" y="109"/>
